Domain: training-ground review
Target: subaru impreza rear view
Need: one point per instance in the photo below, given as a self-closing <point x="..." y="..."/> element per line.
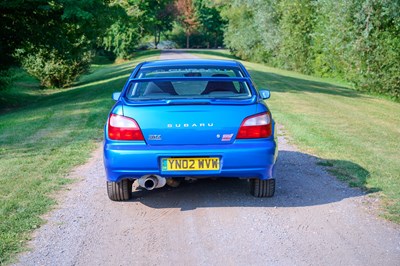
<point x="189" y="119"/>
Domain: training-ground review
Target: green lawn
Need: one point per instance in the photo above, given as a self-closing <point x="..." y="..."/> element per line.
<point x="357" y="136"/>
<point x="41" y="142"/>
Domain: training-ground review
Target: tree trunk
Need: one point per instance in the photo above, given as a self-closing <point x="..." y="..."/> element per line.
<point x="187" y="39"/>
<point x="157" y="36"/>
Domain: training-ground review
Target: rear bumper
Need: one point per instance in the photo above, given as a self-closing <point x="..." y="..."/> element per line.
<point x="242" y="159"/>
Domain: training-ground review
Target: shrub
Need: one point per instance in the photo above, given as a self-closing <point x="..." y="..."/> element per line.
<point x="53" y="69"/>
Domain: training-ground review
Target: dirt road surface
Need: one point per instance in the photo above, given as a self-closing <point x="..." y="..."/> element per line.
<point x="312" y="220"/>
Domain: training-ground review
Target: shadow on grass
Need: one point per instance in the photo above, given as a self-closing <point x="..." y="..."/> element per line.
<point x="91" y="87"/>
<point x="67" y="116"/>
<point x="349" y="172"/>
<point x="122" y="69"/>
<point x="300" y="182"/>
<point x="23" y="95"/>
<point x="286" y="83"/>
<point x="102" y="60"/>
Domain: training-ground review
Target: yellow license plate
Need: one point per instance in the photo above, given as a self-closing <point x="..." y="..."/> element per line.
<point x="190" y="164"/>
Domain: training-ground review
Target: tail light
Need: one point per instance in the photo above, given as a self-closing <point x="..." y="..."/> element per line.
<point x="123" y="128"/>
<point x="256" y="126"/>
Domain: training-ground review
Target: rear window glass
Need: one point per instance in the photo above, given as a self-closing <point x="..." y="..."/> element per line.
<point x="188" y="82"/>
<point x="183" y="71"/>
<point x="188" y="89"/>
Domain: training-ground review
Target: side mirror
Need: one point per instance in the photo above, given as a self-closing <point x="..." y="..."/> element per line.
<point x="116" y="96"/>
<point x="265" y="94"/>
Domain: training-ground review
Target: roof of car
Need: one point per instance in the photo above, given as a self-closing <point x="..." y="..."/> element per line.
<point x="191" y="62"/>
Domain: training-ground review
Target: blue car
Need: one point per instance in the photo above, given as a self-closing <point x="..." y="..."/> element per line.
<point x="189" y="119"/>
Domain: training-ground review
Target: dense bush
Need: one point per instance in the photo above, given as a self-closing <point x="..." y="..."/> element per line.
<point x="296" y="28"/>
<point x="331" y="56"/>
<point x="54" y="69"/>
<point x="377" y="47"/>
<point x="121" y="39"/>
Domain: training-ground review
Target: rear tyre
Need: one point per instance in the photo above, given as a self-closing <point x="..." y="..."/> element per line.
<point x="120" y="191"/>
<point x="262" y="188"/>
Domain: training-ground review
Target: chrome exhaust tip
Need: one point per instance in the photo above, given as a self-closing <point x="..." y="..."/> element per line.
<point x="151" y="182"/>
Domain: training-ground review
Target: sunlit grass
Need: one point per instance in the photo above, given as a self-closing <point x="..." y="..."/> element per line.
<point x="357" y="136"/>
<point x="40" y="142"/>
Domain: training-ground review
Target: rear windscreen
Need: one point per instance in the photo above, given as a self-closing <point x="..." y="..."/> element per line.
<point x="187" y="88"/>
<point x="170" y="82"/>
<point x="192" y="71"/>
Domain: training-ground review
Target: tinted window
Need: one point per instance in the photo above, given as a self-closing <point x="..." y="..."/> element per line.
<point x="210" y="83"/>
<point x="186" y="71"/>
<point x="188" y="89"/>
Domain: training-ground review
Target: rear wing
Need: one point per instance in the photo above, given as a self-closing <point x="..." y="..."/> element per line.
<point x="185" y="90"/>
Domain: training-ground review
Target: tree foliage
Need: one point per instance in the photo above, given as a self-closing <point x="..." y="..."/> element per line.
<point x="296" y="28"/>
<point x="211" y="24"/>
<point x="157" y="17"/>
<point x="187" y="17"/>
<point x="357" y="40"/>
<point x="55" y="36"/>
<point x="136" y="19"/>
<point x="377" y="47"/>
<point x="122" y="37"/>
<point x="198" y="25"/>
<point x="252" y="31"/>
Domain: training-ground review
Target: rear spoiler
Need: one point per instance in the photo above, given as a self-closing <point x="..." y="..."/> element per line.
<point x="191" y="79"/>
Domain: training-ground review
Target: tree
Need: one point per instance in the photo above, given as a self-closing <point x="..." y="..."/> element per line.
<point x="187" y="17"/>
<point x="240" y="34"/>
<point x="157" y="17"/>
<point x="211" y="24"/>
<point x="296" y="28"/>
<point x="61" y="31"/>
<point x="123" y="36"/>
<point x="333" y="34"/>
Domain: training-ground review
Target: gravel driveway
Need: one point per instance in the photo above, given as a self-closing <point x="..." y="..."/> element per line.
<point x="312" y="220"/>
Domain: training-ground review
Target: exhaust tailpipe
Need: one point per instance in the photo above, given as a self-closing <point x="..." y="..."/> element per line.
<point x="151" y="182"/>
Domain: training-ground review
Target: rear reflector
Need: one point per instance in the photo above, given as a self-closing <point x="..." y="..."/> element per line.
<point x="256" y="126"/>
<point x="123" y="128"/>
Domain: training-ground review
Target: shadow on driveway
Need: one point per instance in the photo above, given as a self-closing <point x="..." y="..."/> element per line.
<point x="300" y="182"/>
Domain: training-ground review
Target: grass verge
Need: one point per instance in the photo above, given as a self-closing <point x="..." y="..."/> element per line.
<point x="42" y="141"/>
<point x="357" y="135"/>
